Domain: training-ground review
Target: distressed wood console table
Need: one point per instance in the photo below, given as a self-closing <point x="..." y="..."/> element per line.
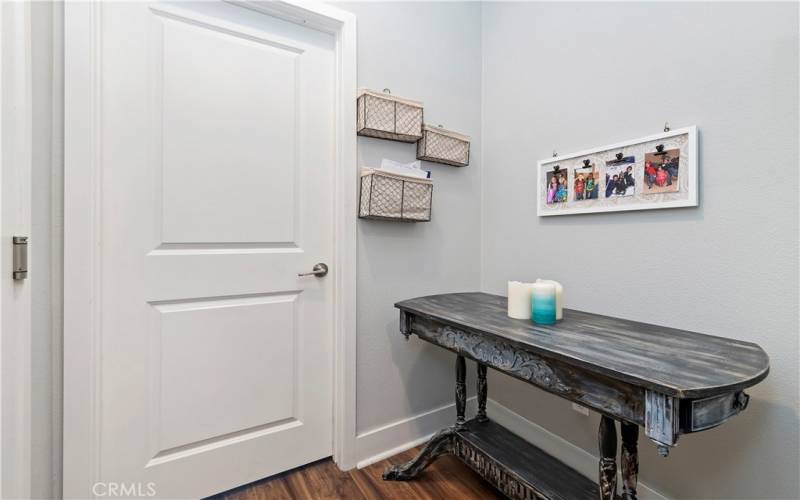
<point x="669" y="381"/>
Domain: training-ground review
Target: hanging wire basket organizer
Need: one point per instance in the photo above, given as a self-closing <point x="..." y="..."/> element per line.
<point x="443" y="146"/>
<point x="385" y="116"/>
<point x="386" y="196"/>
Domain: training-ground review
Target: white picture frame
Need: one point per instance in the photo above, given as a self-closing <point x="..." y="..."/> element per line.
<point x="684" y="195"/>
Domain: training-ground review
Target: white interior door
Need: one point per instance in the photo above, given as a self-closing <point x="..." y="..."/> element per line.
<point x="214" y="132"/>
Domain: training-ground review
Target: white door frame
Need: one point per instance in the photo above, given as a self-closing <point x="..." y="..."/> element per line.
<point x="15" y="219"/>
<point x="83" y="237"/>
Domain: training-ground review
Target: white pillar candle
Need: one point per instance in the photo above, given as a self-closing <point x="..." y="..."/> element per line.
<point x="519" y="300"/>
<point x="559" y="297"/>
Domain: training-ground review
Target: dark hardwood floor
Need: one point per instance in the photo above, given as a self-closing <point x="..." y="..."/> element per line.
<point x="447" y="477"/>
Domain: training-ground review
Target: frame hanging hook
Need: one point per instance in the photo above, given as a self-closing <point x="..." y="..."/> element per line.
<point x="387" y="91"/>
<point x="666" y="126"/>
<point x="555" y="154"/>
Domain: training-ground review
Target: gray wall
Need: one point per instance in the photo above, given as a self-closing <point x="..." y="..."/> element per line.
<point x="432" y="52"/>
<point x="575" y="75"/>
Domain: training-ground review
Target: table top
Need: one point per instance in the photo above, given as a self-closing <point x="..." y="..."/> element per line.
<point x="674" y="362"/>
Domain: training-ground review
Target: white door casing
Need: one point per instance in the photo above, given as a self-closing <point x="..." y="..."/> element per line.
<point x="196" y="359"/>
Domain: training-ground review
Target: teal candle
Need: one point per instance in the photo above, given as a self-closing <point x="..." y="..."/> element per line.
<point x="543" y="303"/>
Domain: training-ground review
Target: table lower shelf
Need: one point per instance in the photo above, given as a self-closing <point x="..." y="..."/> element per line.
<point x="517" y="468"/>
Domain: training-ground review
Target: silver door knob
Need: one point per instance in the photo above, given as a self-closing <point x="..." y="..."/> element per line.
<point x="319" y="270"/>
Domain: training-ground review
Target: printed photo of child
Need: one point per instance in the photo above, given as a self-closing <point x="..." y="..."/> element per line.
<point x="556" y="185"/>
<point x="619" y="177"/>
<point x="661" y="171"/>
<point x="587" y="182"/>
<point x="561" y="194"/>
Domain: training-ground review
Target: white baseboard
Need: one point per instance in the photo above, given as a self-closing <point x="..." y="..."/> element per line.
<point x="377" y="444"/>
<point x="574" y="456"/>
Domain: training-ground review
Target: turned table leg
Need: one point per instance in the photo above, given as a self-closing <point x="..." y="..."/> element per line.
<point x="461" y="390"/>
<point x="629" y="460"/>
<point x="482" y="393"/>
<point x="607" y="437"/>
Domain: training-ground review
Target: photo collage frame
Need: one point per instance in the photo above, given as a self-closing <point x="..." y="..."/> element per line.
<point x="658" y="171"/>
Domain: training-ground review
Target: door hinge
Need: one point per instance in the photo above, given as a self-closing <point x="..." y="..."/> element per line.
<point x="20" y="257"/>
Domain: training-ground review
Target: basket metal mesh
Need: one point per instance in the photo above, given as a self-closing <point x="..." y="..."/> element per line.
<point x="386" y="197"/>
<point x="388" y="119"/>
<point x="441" y="148"/>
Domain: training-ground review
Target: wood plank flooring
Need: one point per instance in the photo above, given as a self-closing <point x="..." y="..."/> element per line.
<point x="446" y="478"/>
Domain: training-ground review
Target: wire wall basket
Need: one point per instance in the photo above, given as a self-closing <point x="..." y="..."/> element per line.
<point x="394" y="197"/>
<point x="443" y="146"/>
<point x="385" y="116"/>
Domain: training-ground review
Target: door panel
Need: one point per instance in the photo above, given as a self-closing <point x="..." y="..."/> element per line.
<point x="207" y="348"/>
<point x="217" y="160"/>
<point x="205" y="75"/>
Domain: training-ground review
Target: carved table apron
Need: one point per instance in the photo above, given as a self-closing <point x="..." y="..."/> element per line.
<point x="669" y="381"/>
